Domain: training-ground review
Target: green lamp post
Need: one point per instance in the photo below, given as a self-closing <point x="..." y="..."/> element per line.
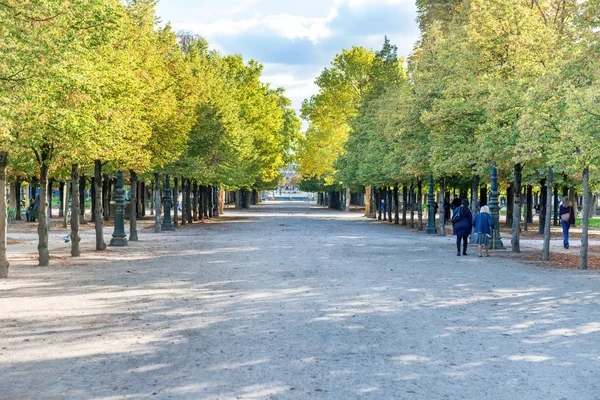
<point x="431" y="229"/>
<point x="119" y="238"/>
<point x="167" y="224"/>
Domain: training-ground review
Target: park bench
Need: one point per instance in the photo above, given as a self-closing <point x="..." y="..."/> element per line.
<point x="34" y="215"/>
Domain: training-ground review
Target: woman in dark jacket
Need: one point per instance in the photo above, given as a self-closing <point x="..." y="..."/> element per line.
<point x="567" y="216"/>
<point x="462" y="223"/>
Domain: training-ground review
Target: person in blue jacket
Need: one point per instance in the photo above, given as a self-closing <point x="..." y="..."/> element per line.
<point x="483" y="230"/>
<point x="462" y="223"/>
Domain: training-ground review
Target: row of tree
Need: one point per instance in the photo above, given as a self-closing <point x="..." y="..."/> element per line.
<point x="99" y="86"/>
<point x="511" y="81"/>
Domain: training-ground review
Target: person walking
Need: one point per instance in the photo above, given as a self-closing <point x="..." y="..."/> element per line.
<point x="462" y="223"/>
<point x="567" y="217"/>
<point x="483" y="230"/>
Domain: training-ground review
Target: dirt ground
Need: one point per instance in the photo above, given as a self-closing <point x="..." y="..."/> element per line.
<point x="292" y="301"/>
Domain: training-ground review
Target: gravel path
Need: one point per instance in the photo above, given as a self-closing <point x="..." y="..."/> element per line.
<point x="291" y="301"/>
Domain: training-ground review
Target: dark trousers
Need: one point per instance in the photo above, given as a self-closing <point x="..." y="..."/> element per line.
<point x="464" y="240"/>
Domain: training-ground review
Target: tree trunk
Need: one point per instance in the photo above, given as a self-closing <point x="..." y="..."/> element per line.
<point x="211" y="202"/>
<point x="412" y="205"/>
<point x="65" y="204"/>
<point x="183" y="202"/>
<point x="405" y="206"/>
<point x="100" y="188"/>
<point x="396" y="206"/>
<point x="157" y="204"/>
<point x="44" y="255"/>
<point x="50" y="186"/>
<point x="483" y="200"/>
<point x="475" y="195"/>
<point x="547" y="230"/>
<point x="133" y="235"/>
<point x="152" y="196"/>
<point x="556" y="206"/>
<point x="585" y="223"/>
<point x="195" y="201"/>
<point x="201" y="202"/>
<point x="391" y="203"/>
<point x="188" y="202"/>
<point x="18" y="205"/>
<point x="105" y="194"/>
<point x="75" y="198"/>
<point x="144" y="198"/>
<point x="175" y="202"/>
<point x="542" y="207"/>
<point x="348" y="200"/>
<point x="82" y="184"/>
<point x="529" y="210"/>
<point x="379" y="207"/>
<point x="442" y="208"/>
<point x="3" y="217"/>
<point x="510" y="199"/>
<point x="93" y="204"/>
<point x="420" y="202"/>
<point x="516" y="226"/>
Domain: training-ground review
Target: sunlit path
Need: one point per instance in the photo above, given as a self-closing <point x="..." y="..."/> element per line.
<point x="293" y="301"/>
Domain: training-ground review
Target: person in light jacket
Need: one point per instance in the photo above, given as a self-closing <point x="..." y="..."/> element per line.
<point x="483" y="230"/>
<point x="462" y="223"/>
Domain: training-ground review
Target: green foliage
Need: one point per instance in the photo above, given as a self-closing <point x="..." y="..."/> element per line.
<point x="98" y="80"/>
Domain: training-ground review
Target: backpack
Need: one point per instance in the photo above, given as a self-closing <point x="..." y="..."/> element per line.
<point x="457" y="214"/>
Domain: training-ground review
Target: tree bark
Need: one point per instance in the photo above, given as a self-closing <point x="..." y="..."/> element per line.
<point x="82" y="184"/>
<point x="585" y="223"/>
<point x="547" y="230"/>
<point x="475" y="195"/>
<point x="510" y="198"/>
<point x="195" y="201"/>
<point x="133" y="235"/>
<point x="442" y="209"/>
<point x="18" y="205"/>
<point x="44" y="255"/>
<point x="183" y="202"/>
<point x="405" y="204"/>
<point x="543" y="201"/>
<point x="396" y="206"/>
<point x="75" y="215"/>
<point x="50" y="185"/>
<point x="188" y="202"/>
<point x="175" y="202"/>
<point x="105" y="194"/>
<point x="211" y="202"/>
<point x="93" y="204"/>
<point x="65" y="205"/>
<point x="412" y="205"/>
<point x="516" y="226"/>
<point x="152" y="195"/>
<point x="157" y="204"/>
<point x="529" y="201"/>
<point x="144" y="198"/>
<point x="390" y="193"/>
<point x="3" y="217"/>
<point x="100" y="189"/>
<point x="419" y="202"/>
<point x="379" y="207"/>
<point x="556" y="206"/>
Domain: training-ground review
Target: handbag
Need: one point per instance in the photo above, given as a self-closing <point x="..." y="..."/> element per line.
<point x="457" y="214"/>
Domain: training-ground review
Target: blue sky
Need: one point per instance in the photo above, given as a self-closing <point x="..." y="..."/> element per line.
<point x="294" y="39"/>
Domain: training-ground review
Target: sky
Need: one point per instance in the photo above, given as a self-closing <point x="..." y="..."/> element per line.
<point x="294" y="39"/>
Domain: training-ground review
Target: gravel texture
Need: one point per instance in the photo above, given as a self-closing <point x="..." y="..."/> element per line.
<point x="292" y="301"/>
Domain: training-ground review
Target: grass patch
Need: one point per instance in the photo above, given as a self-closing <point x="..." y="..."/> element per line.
<point x="594" y="222"/>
